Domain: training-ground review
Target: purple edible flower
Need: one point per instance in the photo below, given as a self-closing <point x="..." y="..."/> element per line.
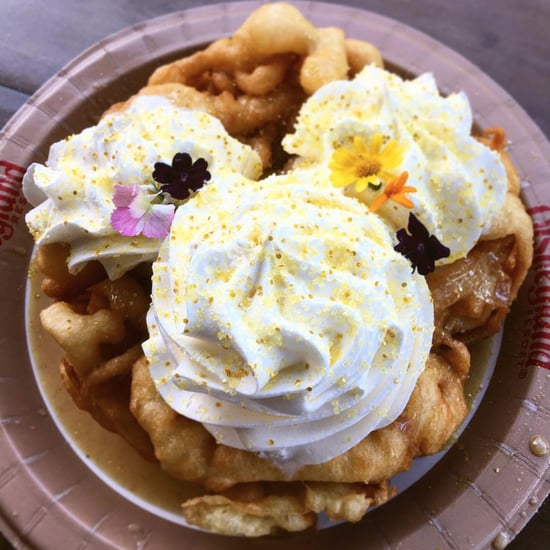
<point x="419" y="247"/>
<point x="182" y="176"/>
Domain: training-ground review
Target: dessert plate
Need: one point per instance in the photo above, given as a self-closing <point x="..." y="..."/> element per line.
<point x="485" y="488"/>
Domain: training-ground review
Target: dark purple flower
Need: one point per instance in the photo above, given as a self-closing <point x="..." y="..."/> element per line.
<point x="419" y="247"/>
<point x="182" y="176"/>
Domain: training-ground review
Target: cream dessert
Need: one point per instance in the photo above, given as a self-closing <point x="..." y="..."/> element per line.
<point x="73" y="192"/>
<point x="384" y="126"/>
<point x="283" y="318"/>
<point x="291" y="357"/>
<point x="284" y="321"/>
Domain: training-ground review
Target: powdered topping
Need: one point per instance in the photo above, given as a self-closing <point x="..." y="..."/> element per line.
<point x="75" y="190"/>
<point x="460" y="184"/>
<point x="283" y="319"/>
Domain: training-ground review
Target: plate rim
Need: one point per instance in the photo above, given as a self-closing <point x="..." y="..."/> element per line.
<point x="312" y="10"/>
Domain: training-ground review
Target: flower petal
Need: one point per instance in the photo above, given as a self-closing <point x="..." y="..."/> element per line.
<point x="157" y="221"/>
<point x="402" y="200"/>
<point x="417" y="229"/>
<point x="140" y="205"/>
<point x="182" y="162"/>
<point x="124" y="195"/>
<point x="359" y="147"/>
<point x="361" y="184"/>
<point x="369" y="181"/>
<point x="419" y="247"/>
<point x="391" y="156"/>
<point x="163" y="173"/>
<point x="124" y="222"/>
<point x="199" y="165"/>
<point x="341" y="179"/>
<point x="378" y="202"/>
<point x="376" y="143"/>
<point x="198" y="174"/>
<point x="367" y="165"/>
<point x="184" y="175"/>
<point x="134" y="214"/>
<point x="342" y="159"/>
<point x="341" y="168"/>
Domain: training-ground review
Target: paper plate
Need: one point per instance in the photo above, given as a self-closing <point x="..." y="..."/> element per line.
<point x="482" y="491"/>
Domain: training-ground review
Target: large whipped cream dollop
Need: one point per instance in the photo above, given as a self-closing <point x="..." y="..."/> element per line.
<point x="461" y="184"/>
<point x="73" y="192"/>
<point x="283" y="320"/>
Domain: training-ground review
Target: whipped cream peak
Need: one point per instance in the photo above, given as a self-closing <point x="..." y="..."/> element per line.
<point x="73" y="192"/>
<point x="283" y="320"/>
<point x="460" y="183"/>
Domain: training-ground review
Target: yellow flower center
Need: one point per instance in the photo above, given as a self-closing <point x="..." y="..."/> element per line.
<point x="368" y="167"/>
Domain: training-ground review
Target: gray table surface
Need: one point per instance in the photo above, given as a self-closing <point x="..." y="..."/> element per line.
<point x="508" y="39"/>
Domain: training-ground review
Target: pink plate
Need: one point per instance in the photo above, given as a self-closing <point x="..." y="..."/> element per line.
<point x="489" y="483"/>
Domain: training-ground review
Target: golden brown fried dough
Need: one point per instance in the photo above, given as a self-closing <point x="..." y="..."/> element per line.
<point x="105" y="395"/>
<point x="183" y="447"/>
<point x="266" y="516"/>
<point x="187" y="451"/>
<point x="257" y="509"/>
<point x="101" y="334"/>
<point x="345" y="501"/>
<point x="58" y="282"/>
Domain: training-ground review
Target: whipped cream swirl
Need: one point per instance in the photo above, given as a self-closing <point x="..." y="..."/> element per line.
<point x="73" y="192"/>
<point x="283" y="320"/>
<point x="461" y="184"/>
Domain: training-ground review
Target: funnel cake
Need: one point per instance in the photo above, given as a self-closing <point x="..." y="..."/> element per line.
<point x="243" y="95"/>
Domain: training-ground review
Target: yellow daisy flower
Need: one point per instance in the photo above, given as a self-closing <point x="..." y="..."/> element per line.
<point x="363" y="165"/>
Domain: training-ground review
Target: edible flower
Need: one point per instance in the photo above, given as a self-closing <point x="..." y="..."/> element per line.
<point x="365" y="165"/>
<point x="135" y="214"/>
<point x="149" y="209"/>
<point x="182" y="176"/>
<point x="419" y="247"/>
<point x="395" y="190"/>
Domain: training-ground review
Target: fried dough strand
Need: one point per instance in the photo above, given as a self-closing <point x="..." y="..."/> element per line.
<point x="259" y="47"/>
<point x="101" y="333"/>
<point x="183" y="447"/>
<point x="268" y="515"/>
<point x="106" y="395"/>
<point x="58" y="282"/>
<point x="259" y="509"/>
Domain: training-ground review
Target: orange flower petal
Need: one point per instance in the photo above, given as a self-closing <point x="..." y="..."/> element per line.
<point x="402" y="200"/>
<point x="378" y="202"/>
